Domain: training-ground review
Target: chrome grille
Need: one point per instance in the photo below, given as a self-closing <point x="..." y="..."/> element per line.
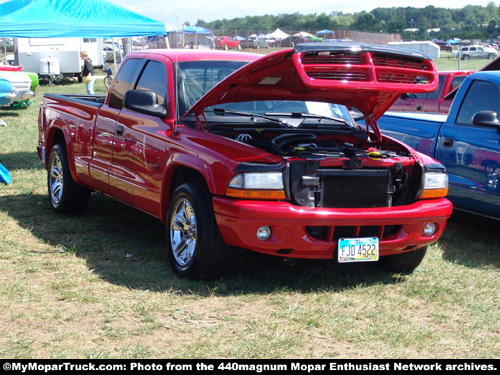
<point x="398" y="62"/>
<point x="341" y="58"/>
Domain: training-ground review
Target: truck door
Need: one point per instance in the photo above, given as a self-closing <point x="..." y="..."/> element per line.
<point x="431" y="99"/>
<point x="140" y="146"/>
<point x="423" y="102"/>
<point x="471" y="153"/>
<point x="105" y="127"/>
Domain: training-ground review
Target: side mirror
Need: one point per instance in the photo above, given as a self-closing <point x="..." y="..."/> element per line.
<point x="486" y="118"/>
<point x="144" y="101"/>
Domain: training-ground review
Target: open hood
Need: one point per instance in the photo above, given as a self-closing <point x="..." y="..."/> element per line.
<point x="367" y="77"/>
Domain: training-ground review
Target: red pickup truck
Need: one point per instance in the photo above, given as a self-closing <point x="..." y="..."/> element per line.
<point x="233" y="149"/>
<point x="433" y="101"/>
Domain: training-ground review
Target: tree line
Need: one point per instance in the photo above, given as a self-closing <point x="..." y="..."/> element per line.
<point x="469" y="22"/>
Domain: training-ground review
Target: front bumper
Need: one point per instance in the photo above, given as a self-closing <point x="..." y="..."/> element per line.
<point x="303" y="232"/>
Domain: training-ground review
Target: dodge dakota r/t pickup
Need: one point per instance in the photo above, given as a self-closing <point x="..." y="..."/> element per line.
<point x="466" y="142"/>
<point x="432" y="101"/>
<point x="233" y="149"/>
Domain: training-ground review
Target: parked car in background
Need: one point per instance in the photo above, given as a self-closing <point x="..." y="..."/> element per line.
<point x="254" y="42"/>
<point x="10" y="68"/>
<point x="432" y="101"/>
<point x="444" y="46"/>
<point x="7" y="92"/>
<point x="475" y="52"/>
<point x="227" y="42"/>
<point x="494" y="46"/>
<point x="291" y="41"/>
<point x="25" y="85"/>
<point x="109" y="51"/>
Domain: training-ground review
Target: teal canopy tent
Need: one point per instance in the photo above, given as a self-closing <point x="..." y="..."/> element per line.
<point x="74" y="18"/>
<point x="4" y="175"/>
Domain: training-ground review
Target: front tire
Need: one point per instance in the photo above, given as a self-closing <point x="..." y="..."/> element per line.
<point x="195" y="246"/>
<point x="66" y="196"/>
<point x="404" y="262"/>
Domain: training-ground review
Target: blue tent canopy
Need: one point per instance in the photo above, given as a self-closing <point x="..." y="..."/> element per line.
<point x="194" y="30"/>
<point x="73" y="18"/>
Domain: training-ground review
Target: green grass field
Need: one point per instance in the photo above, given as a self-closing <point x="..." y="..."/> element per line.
<point x="99" y="285"/>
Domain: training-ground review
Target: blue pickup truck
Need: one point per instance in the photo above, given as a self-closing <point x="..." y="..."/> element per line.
<point x="466" y="141"/>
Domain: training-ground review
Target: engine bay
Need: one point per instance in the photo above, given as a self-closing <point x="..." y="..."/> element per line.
<point x="343" y="169"/>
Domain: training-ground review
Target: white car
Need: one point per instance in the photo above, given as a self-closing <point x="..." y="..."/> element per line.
<point x="475" y="52"/>
<point x="21" y="85"/>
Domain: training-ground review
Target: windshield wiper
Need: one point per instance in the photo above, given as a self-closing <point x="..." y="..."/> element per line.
<point x="311" y="115"/>
<point x="222" y="111"/>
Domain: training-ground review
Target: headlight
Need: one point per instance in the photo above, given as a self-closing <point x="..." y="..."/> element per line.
<point x="435" y="185"/>
<point x="256" y="185"/>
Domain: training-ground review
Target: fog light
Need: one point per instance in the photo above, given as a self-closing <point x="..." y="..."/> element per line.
<point x="263" y="233"/>
<point x="429" y="229"/>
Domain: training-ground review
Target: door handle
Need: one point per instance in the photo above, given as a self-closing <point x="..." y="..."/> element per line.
<point x="448" y="142"/>
<point x="419" y="107"/>
<point x="119" y="130"/>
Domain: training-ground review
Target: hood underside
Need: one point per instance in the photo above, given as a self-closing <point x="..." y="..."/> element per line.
<point x="367" y="77"/>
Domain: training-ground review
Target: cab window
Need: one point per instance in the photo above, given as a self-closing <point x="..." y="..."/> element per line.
<point x="154" y="78"/>
<point x="124" y="81"/>
<point x="481" y="96"/>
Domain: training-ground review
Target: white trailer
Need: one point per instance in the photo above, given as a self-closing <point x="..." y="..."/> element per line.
<point x="52" y="57"/>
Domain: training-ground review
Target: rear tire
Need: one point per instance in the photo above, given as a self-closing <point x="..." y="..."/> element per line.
<point x="404" y="262"/>
<point x="195" y="246"/>
<point x="66" y="196"/>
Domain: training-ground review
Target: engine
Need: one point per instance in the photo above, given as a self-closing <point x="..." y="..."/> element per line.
<point x="334" y="173"/>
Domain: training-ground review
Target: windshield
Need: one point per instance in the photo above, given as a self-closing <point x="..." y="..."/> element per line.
<point x="291" y="112"/>
<point x="196" y="78"/>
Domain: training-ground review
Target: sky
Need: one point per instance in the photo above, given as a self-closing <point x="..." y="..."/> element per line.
<point x="176" y="13"/>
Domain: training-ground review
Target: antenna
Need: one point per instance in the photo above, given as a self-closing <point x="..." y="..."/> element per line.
<point x="176" y="70"/>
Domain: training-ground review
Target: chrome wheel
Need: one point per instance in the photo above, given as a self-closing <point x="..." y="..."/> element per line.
<point x="56" y="182"/>
<point x="65" y="195"/>
<point x="183" y="232"/>
<point x="195" y="246"/>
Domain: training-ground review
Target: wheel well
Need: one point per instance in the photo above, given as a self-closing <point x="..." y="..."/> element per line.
<point x="180" y="175"/>
<point x="56" y="137"/>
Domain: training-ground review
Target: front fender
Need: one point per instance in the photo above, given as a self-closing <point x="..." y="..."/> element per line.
<point x="180" y="167"/>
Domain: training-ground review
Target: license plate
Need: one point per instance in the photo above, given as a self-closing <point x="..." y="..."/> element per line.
<point x="358" y="250"/>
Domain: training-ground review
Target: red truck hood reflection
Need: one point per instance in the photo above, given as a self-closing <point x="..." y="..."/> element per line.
<point x="367" y="77"/>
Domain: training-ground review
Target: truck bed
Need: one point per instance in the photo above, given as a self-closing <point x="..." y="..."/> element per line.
<point x="96" y="100"/>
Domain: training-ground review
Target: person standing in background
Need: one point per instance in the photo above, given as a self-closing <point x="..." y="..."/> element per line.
<point x="88" y="68"/>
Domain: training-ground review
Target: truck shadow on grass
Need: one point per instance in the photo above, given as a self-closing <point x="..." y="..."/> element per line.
<point x="471" y="240"/>
<point x="21" y="161"/>
<point x="126" y="247"/>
